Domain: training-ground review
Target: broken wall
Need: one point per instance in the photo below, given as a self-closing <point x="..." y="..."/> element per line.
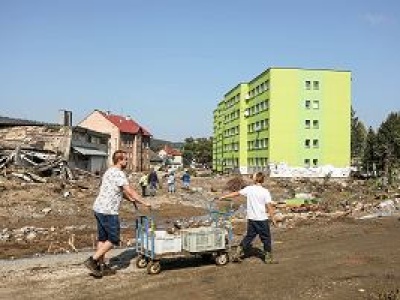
<point x="51" y="138"/>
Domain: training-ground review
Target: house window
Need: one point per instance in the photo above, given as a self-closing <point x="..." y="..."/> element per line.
<point x="315" y="162"/>
<point x="308" y="124"/>
<point x="315" y="124"/>
<point x="315" y="143"/>
<point x="308" y="85"/>
<point x="307" y="163"/>
<point x="315" y="104"/>
<point x="307" y="143"/>
<point x="308" y="104"/>
<point x="316" y="85"/>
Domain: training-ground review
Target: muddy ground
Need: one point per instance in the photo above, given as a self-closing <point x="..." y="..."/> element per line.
<point x="322" y="258"/>
<point x="343" y="259"/>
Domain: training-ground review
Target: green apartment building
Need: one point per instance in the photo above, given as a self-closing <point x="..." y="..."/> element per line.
<point x="299" y="118"/>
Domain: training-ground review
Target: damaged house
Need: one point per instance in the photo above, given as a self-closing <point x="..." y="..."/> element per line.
<point x="89" y="150"/>
<point x="52" y="146"/>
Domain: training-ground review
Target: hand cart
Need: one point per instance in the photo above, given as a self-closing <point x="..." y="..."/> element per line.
<point x="213" y="241"/>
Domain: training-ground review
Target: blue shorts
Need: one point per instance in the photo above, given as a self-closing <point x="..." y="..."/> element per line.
<point x="107" y="228"/>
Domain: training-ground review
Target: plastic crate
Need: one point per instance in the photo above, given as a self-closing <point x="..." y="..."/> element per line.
<point x="163" y="243"/>
<point x="203" y="239"/>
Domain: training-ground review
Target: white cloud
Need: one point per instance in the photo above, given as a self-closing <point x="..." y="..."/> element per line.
<point x="376" y="19"/>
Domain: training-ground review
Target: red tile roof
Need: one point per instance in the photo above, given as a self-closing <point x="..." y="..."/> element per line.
<point x="171" y="151"/>
<point x="125" y="124"/>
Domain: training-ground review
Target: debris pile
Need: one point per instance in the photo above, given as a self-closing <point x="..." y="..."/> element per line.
<point x="235" y="184"/>
<point x="32" y="165"/>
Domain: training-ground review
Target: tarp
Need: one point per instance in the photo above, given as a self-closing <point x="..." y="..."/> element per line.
<point x="89" y="152"/>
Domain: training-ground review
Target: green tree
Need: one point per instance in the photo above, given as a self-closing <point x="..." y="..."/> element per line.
<point x="199" y="149"/>
<point x="370" y="157"/>
<point x="358" y="138"/>
<point x="388" y="141"/>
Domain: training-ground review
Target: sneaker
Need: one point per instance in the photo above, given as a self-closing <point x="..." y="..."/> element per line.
<point x="268" y="258"/>
<point x="92" y="265"/>
<point x="106" y="270"/>
<point x="238" y="254"/>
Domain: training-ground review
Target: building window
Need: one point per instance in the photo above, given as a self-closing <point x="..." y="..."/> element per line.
<point x="315" y="143"/>
<point x="316" y="85"/>
<point x="315" y="124"/>
<point x="308" y="104"/>
<point x="315" y="162"/>
<point x="307" y="143"/>
<point x="308" y="85"/>
<point x="315" y="104"/>
<point x="308" y="124"/>
<point x="307" y="163"/>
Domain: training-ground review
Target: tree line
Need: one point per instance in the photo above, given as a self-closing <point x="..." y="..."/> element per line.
<point x="376" y="152"/>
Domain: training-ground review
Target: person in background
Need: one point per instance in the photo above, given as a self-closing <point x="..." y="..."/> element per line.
<point x="259" y="202"/>
<point x="143" y="182"/>
<point x="171" y="182"/>
<point x="186" y="180"/>
<point x="114" y="186"/>
<point x="153" y="182"/>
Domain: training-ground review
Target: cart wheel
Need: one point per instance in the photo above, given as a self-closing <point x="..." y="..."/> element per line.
<point x="154" y="267"/>
<point x="141" y="262"/>
<point x="222" y="259"/>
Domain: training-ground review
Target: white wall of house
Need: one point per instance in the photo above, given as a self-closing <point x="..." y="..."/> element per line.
<point x="178" y="159"/>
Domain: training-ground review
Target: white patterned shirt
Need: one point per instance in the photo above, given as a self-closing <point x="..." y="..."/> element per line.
<point x="110" y="195"/>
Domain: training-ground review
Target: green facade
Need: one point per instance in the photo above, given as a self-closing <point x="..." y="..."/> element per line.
<point x="299" y="117"/>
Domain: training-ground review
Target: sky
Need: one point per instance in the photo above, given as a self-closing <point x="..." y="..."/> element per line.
<point x="167" y="63"/>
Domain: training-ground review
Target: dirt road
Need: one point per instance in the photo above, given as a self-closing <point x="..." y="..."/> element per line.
<point x="342" y="259"/>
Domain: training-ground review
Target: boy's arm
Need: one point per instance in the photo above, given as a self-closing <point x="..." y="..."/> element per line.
<point x="230" y="195"/>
